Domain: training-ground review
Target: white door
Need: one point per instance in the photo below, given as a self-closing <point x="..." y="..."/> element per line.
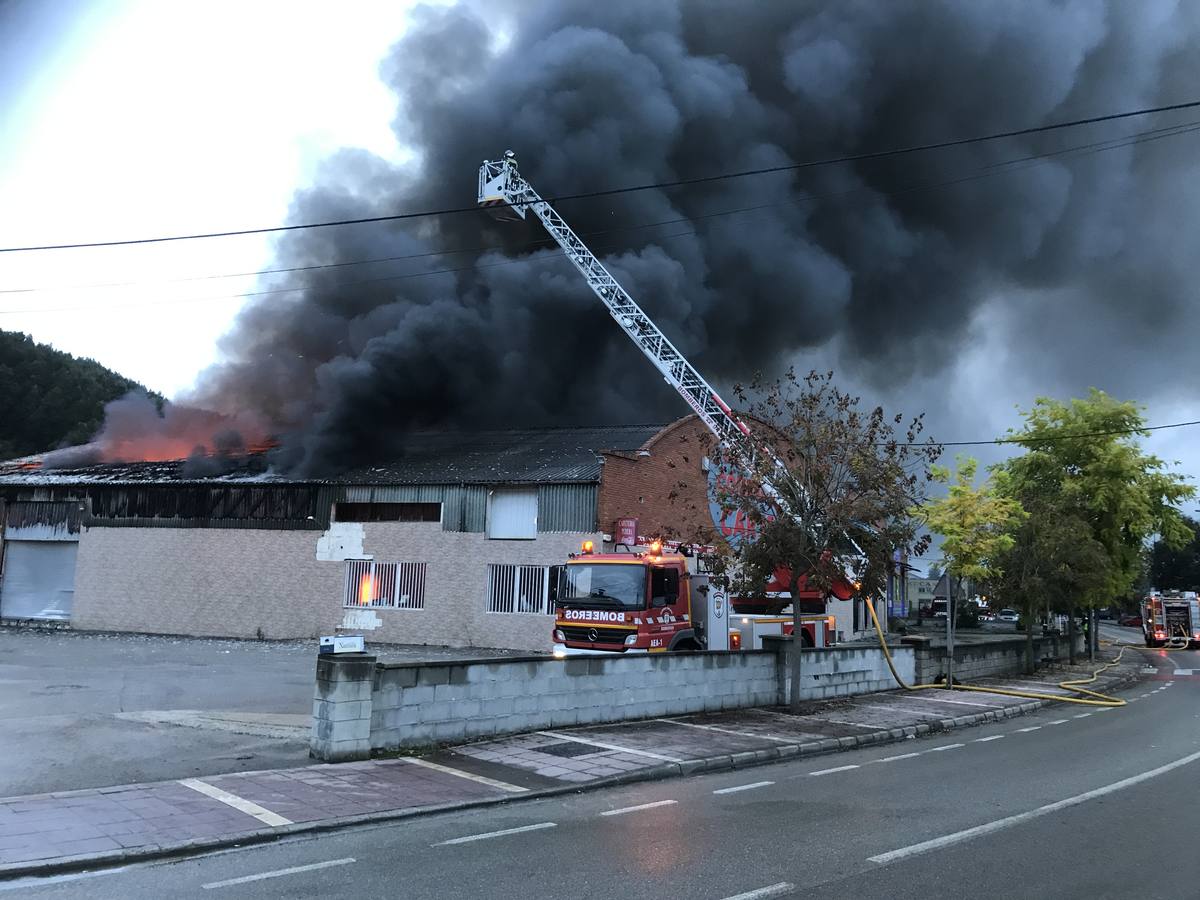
<point x="39" y="579"/>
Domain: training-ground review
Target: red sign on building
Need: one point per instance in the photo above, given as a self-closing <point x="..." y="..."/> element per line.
<point x="626" y="531"/>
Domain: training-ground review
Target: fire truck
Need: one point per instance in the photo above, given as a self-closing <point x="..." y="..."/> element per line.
<point x="654" y="599"/>
<point x="1171" y="618"/>
<point x="661" y="603"/>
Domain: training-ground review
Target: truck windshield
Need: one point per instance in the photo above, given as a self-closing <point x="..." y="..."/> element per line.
<point x="615" y="585"/>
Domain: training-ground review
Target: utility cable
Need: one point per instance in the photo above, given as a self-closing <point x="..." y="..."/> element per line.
<point x="661" y="185"/>
<point x="987" y="172"/>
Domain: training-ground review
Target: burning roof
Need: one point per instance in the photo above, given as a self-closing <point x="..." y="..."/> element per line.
<point x="446" y="457"/>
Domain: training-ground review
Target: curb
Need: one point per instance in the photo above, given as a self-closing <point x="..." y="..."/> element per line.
<point x="725" y="762"/>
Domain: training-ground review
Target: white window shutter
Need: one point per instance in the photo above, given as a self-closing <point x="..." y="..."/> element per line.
<point x="512" y="514"/>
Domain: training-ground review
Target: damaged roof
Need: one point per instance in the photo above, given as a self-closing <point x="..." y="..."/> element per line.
<point x="515" y="456"/>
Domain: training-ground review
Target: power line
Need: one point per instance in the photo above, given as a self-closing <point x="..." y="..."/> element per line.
<point x="986" y="171"/>
<point x="1032" y="439"/>
<point x="989" y="171"/>
<point x="682" y="182"/>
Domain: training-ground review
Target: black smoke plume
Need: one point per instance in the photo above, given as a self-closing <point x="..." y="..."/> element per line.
<point x="872" y="258"/>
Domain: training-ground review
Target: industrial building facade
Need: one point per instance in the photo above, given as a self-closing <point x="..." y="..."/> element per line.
<point x="453" y="544"/>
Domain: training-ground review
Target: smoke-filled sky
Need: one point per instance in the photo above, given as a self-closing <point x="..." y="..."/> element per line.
<point x="963" y="281"/>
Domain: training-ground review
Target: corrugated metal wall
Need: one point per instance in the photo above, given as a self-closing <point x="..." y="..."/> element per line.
<point x="567" y="507"/>
<point x="561" y="507"/>
<point x="26" y="520"/>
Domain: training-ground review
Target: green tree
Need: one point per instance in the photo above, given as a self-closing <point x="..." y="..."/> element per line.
<point x="50" y="399"/>
<point x="834" y="498"/>
<point x="1054" y="560"/>
<point x="1083" y="459"/>
<point x="976" y="525"/>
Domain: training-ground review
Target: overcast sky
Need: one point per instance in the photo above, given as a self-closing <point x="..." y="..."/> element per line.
<point x="132" y="118"/>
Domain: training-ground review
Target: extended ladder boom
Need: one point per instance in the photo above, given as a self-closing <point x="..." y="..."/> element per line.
<point x="505" y="192"/>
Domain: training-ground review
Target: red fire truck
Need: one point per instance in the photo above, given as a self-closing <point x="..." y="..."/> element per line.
<point x="648" y="599"/>
<point x="1171" y="617"/>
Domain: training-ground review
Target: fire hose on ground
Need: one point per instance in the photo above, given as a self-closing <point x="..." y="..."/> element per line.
<point x="1090" y="698"/>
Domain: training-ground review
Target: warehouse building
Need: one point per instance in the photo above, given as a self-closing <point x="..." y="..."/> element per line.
<point x="451" y="544"/>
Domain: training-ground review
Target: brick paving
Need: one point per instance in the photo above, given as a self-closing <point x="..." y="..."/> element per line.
<point x="49" y="828"/>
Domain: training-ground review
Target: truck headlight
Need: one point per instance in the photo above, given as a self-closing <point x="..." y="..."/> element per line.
<point x="631" y="640"/>
<point x="559" y="636"/>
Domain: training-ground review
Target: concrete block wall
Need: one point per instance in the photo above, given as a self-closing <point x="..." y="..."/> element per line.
<point x="841" y="672"/>
<point x="415" y="705"/>
<point x="986" y="660"/>
<point x="341" y="728"/>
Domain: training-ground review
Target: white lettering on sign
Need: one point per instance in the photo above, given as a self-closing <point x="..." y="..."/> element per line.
<point x="360" y="620"/>
<point x="593" y="615"/>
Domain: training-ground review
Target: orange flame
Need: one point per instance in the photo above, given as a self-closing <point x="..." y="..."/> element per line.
<point x="366" y="588"/>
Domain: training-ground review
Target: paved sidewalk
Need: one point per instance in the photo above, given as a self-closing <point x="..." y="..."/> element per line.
<point x="77" y="829"/>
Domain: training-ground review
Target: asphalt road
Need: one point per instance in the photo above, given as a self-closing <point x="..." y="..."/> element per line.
<point x="80" y="710"/>
<point x="1072" y="802"/>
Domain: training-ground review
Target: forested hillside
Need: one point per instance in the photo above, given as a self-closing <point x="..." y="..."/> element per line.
<point x="49" y="398"/>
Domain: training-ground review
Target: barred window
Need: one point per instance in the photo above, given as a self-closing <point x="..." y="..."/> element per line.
<point x="519" y="589"/>
<point x="384" y="585"/>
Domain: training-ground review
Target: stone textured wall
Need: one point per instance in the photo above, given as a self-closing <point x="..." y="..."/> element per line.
<point x="205" y="582"/>
<point x="261" y="583"/>
<point x="417" y="705"/>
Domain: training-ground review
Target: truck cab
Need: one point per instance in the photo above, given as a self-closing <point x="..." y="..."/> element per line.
<point x="640" y="600"/>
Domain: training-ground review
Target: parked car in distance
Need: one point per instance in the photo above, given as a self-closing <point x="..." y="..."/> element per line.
<point x="1008" y="615"/>
<point x="1133" y="621"/>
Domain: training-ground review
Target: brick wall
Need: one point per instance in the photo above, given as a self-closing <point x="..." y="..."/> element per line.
<point x="667" y="489"/>
<point x="236" y="583"/>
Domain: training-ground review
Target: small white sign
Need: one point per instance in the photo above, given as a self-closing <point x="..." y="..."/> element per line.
<point x="349" y="643"/>
<point x="360" y="620"/>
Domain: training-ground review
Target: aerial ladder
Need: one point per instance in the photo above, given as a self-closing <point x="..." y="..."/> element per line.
<point x="507" y="195"/>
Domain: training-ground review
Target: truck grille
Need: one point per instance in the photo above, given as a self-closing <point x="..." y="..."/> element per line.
<point x="603" y="635"/>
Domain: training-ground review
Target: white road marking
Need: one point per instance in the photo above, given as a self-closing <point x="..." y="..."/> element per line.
<point x="1030" y="728"/>
<point x="928" y="713"/>
<point x="765" y="737"/>
<point x="945" y="747"/>
<point x="772" y="890"/>
<point x="1106" y="709"/>
<point x="1082" y="715"/>
<point x="963" y="702"/>
<point x="470" y="776"/>
<point x="638" y="808"/>
<point x="1059" y="722"/>
<point x="844" y="722"/>
<point x="491" y="834"/>
<point x="744" y="787"/>
<point x="250" y="808"/>
<point x="958" y="837"/>
<point x="898" y="756"/>
<point x="279" y="873"/>
<point x="984" y="740"/>
<point x="831" y="771"/>
<point x="604" y="746"/>
<point x="1143" y="696"/>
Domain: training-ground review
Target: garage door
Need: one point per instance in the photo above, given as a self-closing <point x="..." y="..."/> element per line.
<point x="38" y="580"/>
